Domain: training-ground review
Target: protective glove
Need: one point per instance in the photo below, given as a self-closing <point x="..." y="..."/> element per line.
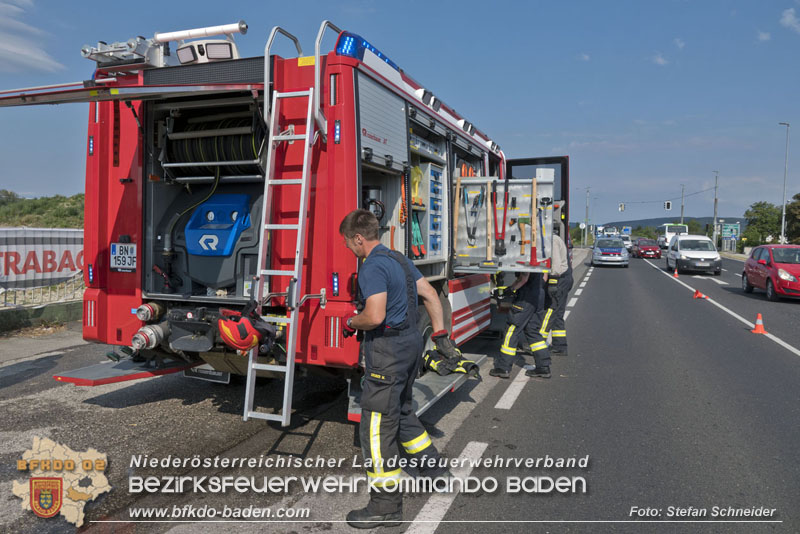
<point x="348" y="330"/>
<point x="444" y="345"/>
<point x="503" y="293"/>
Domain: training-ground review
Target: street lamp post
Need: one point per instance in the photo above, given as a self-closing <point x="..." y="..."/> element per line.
<point x="785" y="169"/>
<point x="716" y="183"/>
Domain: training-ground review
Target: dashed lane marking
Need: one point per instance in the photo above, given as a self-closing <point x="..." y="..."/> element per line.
<point x="578" y="291"/>
<point x="438" y="504"/>
<point x="732" y="313"/>
<point x="566" y="314"/>
<point x="720" y="282"/>
<point x="513" y="391"/>
<point x="572" y="302"/>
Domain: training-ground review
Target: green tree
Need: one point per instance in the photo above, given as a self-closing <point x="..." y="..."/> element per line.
<point x="645" y="231"/>
<point x="793" y="220"/>
<point x="695" y="228"/>
<point x="763" y="219"/>
<point x="7" y="197"/>
<point x="43" y="212"/>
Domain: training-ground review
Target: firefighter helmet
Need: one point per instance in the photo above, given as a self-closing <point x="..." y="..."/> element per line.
<point x="243" y="332"/>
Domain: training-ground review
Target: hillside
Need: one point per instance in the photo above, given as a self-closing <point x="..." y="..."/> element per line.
<point x="43" y="212"/>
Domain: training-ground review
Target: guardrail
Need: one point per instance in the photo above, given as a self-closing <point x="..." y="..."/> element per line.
<point x="24" y="297"/>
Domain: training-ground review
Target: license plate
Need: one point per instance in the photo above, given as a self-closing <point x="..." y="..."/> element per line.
<point x="123" y="257"/>
<point x="702" y="264"/>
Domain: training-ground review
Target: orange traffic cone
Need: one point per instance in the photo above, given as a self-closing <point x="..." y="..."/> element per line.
<point x="698" y="295"/>
<point x="675" y="274"/>
<point x="759" y="329"/>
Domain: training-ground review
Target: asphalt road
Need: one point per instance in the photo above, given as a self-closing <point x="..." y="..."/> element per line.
<point x="672" y="399"/>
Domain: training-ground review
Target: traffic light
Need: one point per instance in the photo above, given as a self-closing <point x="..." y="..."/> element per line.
<point x="667" y="205"/>
<point x="621" y="206"/>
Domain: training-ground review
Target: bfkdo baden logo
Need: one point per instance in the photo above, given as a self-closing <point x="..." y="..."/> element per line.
<point x="61" y="480"/>
<point x="46" y="496"/>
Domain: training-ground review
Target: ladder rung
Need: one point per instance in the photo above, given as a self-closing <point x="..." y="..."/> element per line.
<point x="293" y="94"/>
<point x="286" y="182"/>
<point x="274" y="272"/>
<point x="276" y="320"/>
<point x="289" y="137"/>
<point x="267" y="416"/>
<point x="281" y="227"/>
<point x="269" y="367"/>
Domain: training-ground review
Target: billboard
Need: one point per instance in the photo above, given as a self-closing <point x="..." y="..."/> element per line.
<point x="37" y="257"/>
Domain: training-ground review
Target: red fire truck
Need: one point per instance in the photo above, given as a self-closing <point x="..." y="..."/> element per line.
<point x="214" y="180"/>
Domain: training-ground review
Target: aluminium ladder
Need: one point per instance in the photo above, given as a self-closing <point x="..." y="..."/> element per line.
<point x="276" y="137"/>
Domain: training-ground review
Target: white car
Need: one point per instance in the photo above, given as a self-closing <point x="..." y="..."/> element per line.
<point x="627" y="240"/>
<point x="693" y="253"/>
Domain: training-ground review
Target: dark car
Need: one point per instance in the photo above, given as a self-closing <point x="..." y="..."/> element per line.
<point x="646" y="248"/>
<point x="775" y="269"/>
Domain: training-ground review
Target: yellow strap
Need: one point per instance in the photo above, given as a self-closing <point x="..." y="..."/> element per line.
<point x="418" y="444"/>
<point x="541" y="345"/>
<point x="375" y="441"/>
<point x="507" y="341"/>
<point x="546" y="322"/>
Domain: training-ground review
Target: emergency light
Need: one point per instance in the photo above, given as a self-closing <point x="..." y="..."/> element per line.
<point x="353" y="45"/>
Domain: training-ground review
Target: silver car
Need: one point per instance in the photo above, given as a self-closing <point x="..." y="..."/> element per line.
<point x="610" y="251"/>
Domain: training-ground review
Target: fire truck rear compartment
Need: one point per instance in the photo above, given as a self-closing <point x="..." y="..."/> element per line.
<point x="203" y="198"/>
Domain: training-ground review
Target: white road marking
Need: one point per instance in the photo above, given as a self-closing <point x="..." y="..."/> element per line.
<point x="572" y="302"/>
<point x="578" y="291"/>
<point x="512" y="392"/>
<point x="583" y="284"/>
<point x="566" y="314"/>
<point x="726" y="270"/>
<point x="733" y="314"/>
<point x="738" y="274"/>
<point x="438" y="504"/>
<point x="720" y="282"/>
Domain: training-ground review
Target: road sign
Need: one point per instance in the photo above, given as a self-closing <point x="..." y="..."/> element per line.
<point x="731" y="230"/>
<point x="626" y="230"/>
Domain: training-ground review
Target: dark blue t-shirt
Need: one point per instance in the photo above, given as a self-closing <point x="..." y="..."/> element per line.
<point x="382" y="274"/>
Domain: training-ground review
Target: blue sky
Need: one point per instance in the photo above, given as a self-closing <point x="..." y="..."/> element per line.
<point x="642" y="95"/>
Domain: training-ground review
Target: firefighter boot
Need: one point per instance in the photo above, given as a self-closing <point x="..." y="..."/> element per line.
<point x="500" y="373"/>
<point x="538" y="372"/>
<point x="365" y="518"/>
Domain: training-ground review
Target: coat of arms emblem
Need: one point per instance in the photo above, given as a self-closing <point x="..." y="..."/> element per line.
<point x="46" y="496"/>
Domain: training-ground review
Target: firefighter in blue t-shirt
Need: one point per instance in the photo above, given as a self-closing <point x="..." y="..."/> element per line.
<point x="392" y="349"/>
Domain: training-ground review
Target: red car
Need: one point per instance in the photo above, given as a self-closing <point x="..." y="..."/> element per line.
<point x="646" y="248"/>
<point x="774" y="268"/>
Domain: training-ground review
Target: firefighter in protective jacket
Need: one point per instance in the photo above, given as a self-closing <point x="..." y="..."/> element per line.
<point x="392" y="346"/>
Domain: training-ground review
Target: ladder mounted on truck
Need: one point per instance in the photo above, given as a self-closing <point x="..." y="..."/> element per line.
<point x="269" y="228"/>
<point x="276" y="138"/>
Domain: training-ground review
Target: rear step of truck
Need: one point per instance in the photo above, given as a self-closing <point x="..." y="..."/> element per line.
<point x="427" y="389"/>
<point x="122" y="371"/>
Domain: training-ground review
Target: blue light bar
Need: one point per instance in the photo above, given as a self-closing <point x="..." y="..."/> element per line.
<point x="353" y="45"/>
<point x="335" y="280"/>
